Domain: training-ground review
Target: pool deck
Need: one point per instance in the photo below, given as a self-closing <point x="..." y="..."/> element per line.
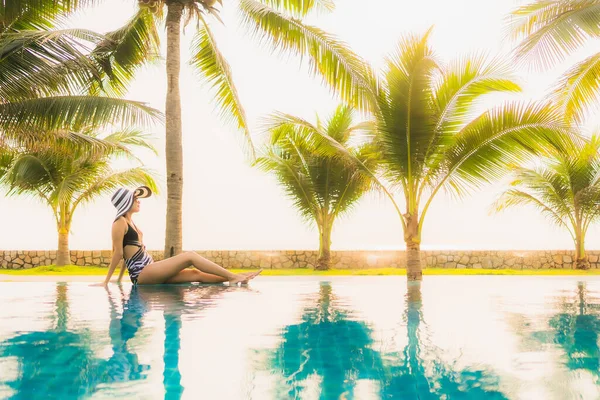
<point x="53" y="278"/>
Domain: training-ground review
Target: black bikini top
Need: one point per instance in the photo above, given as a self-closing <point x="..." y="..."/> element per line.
<point x="131" y="237"/>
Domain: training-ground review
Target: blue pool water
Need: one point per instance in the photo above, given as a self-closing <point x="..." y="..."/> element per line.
<point x="306" y="338"/>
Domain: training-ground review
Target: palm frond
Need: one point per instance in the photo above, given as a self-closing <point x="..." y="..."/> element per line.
<point x="215" y="70"/>
<point x="111" y="180"/>
<point x="300" y="8"/>
<point x="405" y="123"/>
<point x="553" y="29"/>
<point x="39" y="10"/>
<point x="339" y="123"/>
<point x="464" y="81"/>
<point x="59" y="112"/>
<point x="44" y="169"/>
<point x="38" y="14"/>
<point x="462" y="84"/>
<point x="320" y="144"/>
<point x="502" y="137"/>
<point x="34" y="62"/>
<point x="323" y="185"/>
<point x="124" y="50"/>
<point x="70" y="77"/>
<point x="515" y="197"/>
<point x="296" y="184"/>
<point x="126" y="140"/>
<point x="329" y="58"/>
<point x="577" y="90"/>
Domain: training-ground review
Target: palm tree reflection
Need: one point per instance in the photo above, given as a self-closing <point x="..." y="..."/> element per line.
<point x="54" y="363"/>
<point x="420" y="373"/>
<point x="173" y="301"/>
<point x="340" y="351"/>
<point x="61" y="363"/>
<point x="575" y="328"/>
<point x="330" y="345"/>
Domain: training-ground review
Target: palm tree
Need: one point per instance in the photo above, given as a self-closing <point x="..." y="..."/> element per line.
<point x="322" y="186"/>
<point x="429" y="137"/>
<point x="551" y="31"/>
<point x="565" y="187"/>
<point x="66" y="180"/>
<point x="276" y="23"/>
<point x="49" y="78"/>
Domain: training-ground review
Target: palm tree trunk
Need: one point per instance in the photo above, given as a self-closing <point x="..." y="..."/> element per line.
<point x="63" y="255"/>
<point x="173" y="139"/>
<point x="324" y="259"/>
<point x="581" y="261"/>
<point x="62" y="307"/>
<point x="172" y="346"/>
<point x="412" y="238"/>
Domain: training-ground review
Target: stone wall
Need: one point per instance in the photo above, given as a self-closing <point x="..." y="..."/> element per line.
<point x="19" y="259"/>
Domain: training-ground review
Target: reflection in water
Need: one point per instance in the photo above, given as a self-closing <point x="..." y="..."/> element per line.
<point x="339" y="351"/>
<point x="174" y="301"/>
<point x="56" y="361"/>
<point x="575" y="329"/>
<point x="330" y="345"/>
<point x="328" y="353"/>
<point x="123" y="365"/>
<point x="61" y="362"/>
<point x="171" y="375"/>
<point x="420" y="373"/>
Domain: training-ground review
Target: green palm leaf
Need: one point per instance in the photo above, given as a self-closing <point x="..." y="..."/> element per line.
<point x="124" y="141"/>
<point x="215" y="70"/>
<point x="296" y="184"/>
<point x="339" y="67"/>
<point x="577" y="90"/>
<point x="43" y="169"/>
<point x="565" y="187"/>
<point x="300" y="8"/>
<point x="52" y="113"/>
<point x="405" y="123"/>
<point x="501" y="137"/>
<point x="23" y="14"/>
<point x="111" y="180"/>
<point x="34" y="62"/>
<point x="553" y="29"/>
<point x="281" y="125"/>
<point x="124" y="50"/>
<point x="514" y="197"/>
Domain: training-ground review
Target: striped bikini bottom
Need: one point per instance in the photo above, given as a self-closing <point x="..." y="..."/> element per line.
<point x="137" y="262"/>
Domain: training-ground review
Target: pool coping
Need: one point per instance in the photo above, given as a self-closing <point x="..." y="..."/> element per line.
<point x="99" y="279"/>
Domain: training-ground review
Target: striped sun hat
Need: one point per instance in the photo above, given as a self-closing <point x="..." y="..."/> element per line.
<point x="123" y="198"/>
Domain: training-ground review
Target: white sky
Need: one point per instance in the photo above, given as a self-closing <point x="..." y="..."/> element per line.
<point x="228" y="205"/>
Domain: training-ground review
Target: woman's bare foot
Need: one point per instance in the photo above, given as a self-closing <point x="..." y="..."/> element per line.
<point x="244" y="278"/>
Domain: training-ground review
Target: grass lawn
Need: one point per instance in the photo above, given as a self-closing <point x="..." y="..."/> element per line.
<point x="85" y="271"/>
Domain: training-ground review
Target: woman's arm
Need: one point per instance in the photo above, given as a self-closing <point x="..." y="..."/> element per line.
<point x="118" y="231"/>
<point x="121" y="272"/>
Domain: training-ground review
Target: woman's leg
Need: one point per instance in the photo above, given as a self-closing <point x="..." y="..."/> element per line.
<point x="193" y="275"/>
<point x="162" y="271"/>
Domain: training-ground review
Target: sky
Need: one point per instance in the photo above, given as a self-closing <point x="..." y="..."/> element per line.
<point x="229" y="205"/>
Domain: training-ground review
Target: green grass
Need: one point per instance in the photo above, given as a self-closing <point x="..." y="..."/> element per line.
<point x="84" y="271"/>
<point x="54" y="270"/>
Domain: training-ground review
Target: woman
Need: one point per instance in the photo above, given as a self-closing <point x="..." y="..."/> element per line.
<point x="143" y="270"/>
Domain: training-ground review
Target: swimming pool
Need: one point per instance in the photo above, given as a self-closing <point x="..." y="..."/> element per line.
<point x="489" y="337"/>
